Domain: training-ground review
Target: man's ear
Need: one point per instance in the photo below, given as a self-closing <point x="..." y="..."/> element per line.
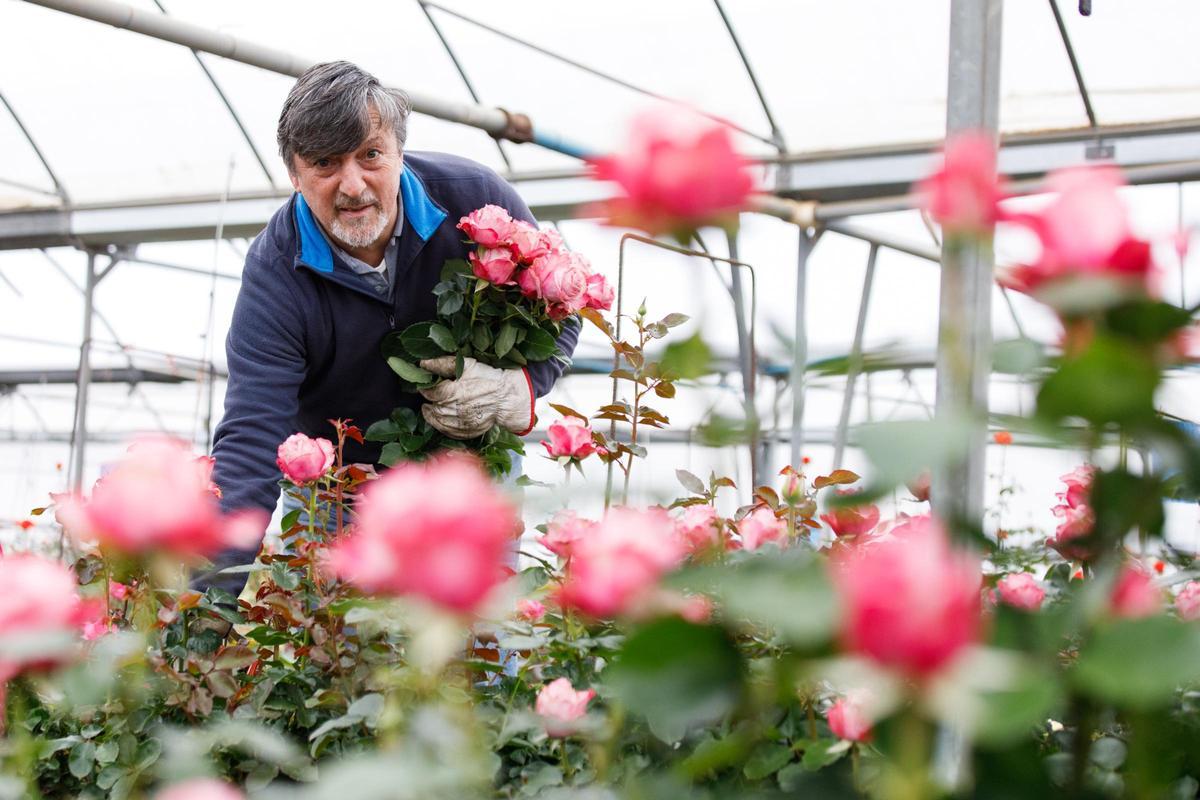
<point x="295" y="179"/>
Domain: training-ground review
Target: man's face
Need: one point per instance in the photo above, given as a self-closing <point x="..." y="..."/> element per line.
<point x="353" y="195"/>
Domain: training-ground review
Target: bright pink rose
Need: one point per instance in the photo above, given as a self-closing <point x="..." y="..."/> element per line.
<point x="438" y="530"/>
<point x="847" y="721"/>
<point x="561" y="279"/>
<point x="205" y="464"/>
<point x="1020" y="590"/>
<point x="964" y="195"/>
<point x="561" y="707"/>
<point x="155" y="498"/>
<point x="698" y="528"/>
<point x="93" y="620"/>
<point x="1085" y="231"/>
<point x="490" y="226"/>
<point x="676" y="174"/>
<point x="563" y="531"/>
<point x="1187" y="602"/>
<point x="910" y="602"/>
<point x="530" y="610"/>
<point x="570" y="437"/>
<point x="39" y="597"/>
<point x="495" y="265"/>
<point x="303" y="460"/>
<point x="618" y="565"/>
<point x="118" y="590"/>
<point x="600" y="294"/>
<point x="1135" y="596"/>
<point x="200" y="789"/>
<point x="851" y="520"/>
<point x="527" y="242"/>
<point x="761" y="526"/>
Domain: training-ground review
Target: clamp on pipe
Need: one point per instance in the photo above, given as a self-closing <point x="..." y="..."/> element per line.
<point x="518" y="128"/>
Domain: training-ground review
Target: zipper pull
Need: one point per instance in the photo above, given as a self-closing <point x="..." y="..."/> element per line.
<point x="391" y="321"/>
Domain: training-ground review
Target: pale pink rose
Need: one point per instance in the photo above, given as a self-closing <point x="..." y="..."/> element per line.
<point x="910" y="602"/>
<point x="851" y="520"/>
<point x="563" y="531"/>
<point x="676" y="173"/>
<point x="761" y="526"/>
<point x="618" y="564"/>
<point x="1187" y="602"/>
<point x="39" y="596"/>
<point x="847" y="720"/>
<point x="1075" y="513"/>
<point x="696" y="609"/>
<point x="919" y="486"/>
<point x="490" y="226"/>
<point x="530" y="610"/>
<point x="495" y="265"/>
<point x="527" y="242"/>
<point x="600" y="294"/>
<point x="1084" y="231"/>
<point x="698" y="528"/>
<point x="964" y="195"/>
<point x="561" y="279"/>
<point x="438" y="530"/>
<point x="200" y="789"/>
<point x="570" y="437"/>
<point x="303" y="460"/>
<point x="561" y="707"/>
<point x="118" y="590"/>
<point x="155" y="499"/>
<point x="1135" y="596"/>
<point x="1020" y="590"/>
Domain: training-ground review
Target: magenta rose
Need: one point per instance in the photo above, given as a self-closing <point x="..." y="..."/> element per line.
<point x="494" y="265"/>
<point x="303" y="460"/>
<point x="490" y="226"/>
<point x="1135" y="596"/>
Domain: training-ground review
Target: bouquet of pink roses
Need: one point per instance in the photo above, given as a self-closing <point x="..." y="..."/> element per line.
<point x="504" y="306"/>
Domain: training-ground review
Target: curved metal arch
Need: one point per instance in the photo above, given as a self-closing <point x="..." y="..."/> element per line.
<point x="59" y="189"/>
<point x="776" y="131"/>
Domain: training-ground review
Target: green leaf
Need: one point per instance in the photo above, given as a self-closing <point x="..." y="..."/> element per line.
<point x="109" y="776"/>
<point x="1147" y="320"/>
<point x="1112" y="381"/>
<point x="900" y="451"/>
<point x="384" y="430"/>
<point x="410" y="372"/>
<point x="1007" y="716"/>
<point x="81" y="759"/>
<point x="1017" y="356"/>
<point x="448" y="303"/>
<point x="823" y="752"/>
<point x="1139" y="663"/>
<point x="538" y="345"/>
<point x="690" y="482"/>
<point x="767" y="759"/>
<point x="672" y="320"/>
<point x="481" y="337"/>
<point x="442" y="337"/>
<point x="417" y="342"/>
<point x="688" y="359"/>
<point x="454" y="267"/>
<point x="505" y="340"/>
<point x="290" y="519"/>
<point x="393" y="453"/>
<point x="1108" y="753"/>
<point x="677" y="675"/>
<point x="283" y="577"/>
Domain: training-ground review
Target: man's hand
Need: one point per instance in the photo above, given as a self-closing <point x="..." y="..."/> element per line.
<point x="484" y="396"/>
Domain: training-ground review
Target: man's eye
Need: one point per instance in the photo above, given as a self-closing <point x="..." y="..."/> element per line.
<point x="373" y="153"/>
<point x="322" y="163"/>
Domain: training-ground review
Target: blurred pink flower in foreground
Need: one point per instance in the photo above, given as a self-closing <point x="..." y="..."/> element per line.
<point x="530" y="610"/>
<point x="562" y="532"/>
<point x="438" y="530"/>
<point x="919" y="486"/>
<point x="39" y="597"/>
<point x="200" y="789"/>
<point x="1187" y="602"/>
<point x="490" y="226"/>
<point x="851" y="520"/>
<point x="618" y="564"/>
<point x="157" y="498"/>
<point x="847" y="720"/>
<point x="570" y="437"/>
<point x="676" y="173"/>
<point x="302" y="459"/>
<point x="1134" y="595"/>
<point x="910" y="602"/>
<point x="698" y="528"/>
<point x="1020" y="590"/>
<point x="561" y="707"/>
<point x="762" y="526"/>
<point x="964" y="195"/>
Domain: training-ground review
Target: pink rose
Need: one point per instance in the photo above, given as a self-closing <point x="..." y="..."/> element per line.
<point x="847" y="721"/>
<point x="118" y="590"/>
<point x="600" y="294"/>
<point x="851" y="520"/>
<point x="617" y="566"/>
<point x="698" y="528"/>
<point x="1135" y="596"/>
<point x="530" y="610"/>
<point x="675" y="174"/>
<point x="1075" y="513"/>
<point x="1020" y="590"/>
<point x="570" y="437"/>
<point x="303" y="460"/>
<point x="205" y="464"/>
<point x="438" y="530"/>
<point x="761" y="526"/>
<point x="563" y="531"/>
<point x="910" y="602"/>
<point x="964" y="195"/>
<point x="1187" y="603"/>
<point x="39" y="597"/>
<point x="558" y="278"/>
<point x="495" y="265"/>
<point x="490" y="226"/>
<point x="200" y="789"/>
<point x="527" y="243"/>
<point x="156" y="499"/>
<point x="561" y="707"/>
<point x="919" y="486"/>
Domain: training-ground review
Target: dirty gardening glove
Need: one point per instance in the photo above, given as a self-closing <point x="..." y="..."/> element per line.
<point x="484" y="396"/>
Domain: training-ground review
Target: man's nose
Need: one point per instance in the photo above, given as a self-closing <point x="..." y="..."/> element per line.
<point x="351" y="179"/>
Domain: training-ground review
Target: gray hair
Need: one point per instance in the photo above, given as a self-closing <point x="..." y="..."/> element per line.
<point x="328" y="112"/>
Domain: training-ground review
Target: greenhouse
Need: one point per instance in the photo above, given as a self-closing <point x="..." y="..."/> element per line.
<point x="690" y="399"/>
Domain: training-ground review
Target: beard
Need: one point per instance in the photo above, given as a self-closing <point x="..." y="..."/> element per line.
<point x="363" y="231"/>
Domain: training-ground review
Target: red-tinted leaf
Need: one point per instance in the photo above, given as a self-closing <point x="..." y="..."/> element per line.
<point x="835" y="478"/>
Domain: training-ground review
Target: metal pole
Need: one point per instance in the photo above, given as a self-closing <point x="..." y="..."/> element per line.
<point x="854" y="363"/>
<point x="800" y="346"/>
<point x="747" y="359"/>
<point x="964" y="340"/>
<point x="79" y="432"/>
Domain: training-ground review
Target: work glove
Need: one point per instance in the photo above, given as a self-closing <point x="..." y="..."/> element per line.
<point x="484" y="396"/>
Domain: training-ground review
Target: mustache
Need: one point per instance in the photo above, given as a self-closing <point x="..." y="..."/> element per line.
<point x="364" y="199"/>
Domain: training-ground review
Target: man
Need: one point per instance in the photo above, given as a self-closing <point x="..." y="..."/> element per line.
<point x="352" y="256"/>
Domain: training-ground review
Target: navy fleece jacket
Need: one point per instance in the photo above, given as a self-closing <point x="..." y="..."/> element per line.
<point x="303" y="347"/>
